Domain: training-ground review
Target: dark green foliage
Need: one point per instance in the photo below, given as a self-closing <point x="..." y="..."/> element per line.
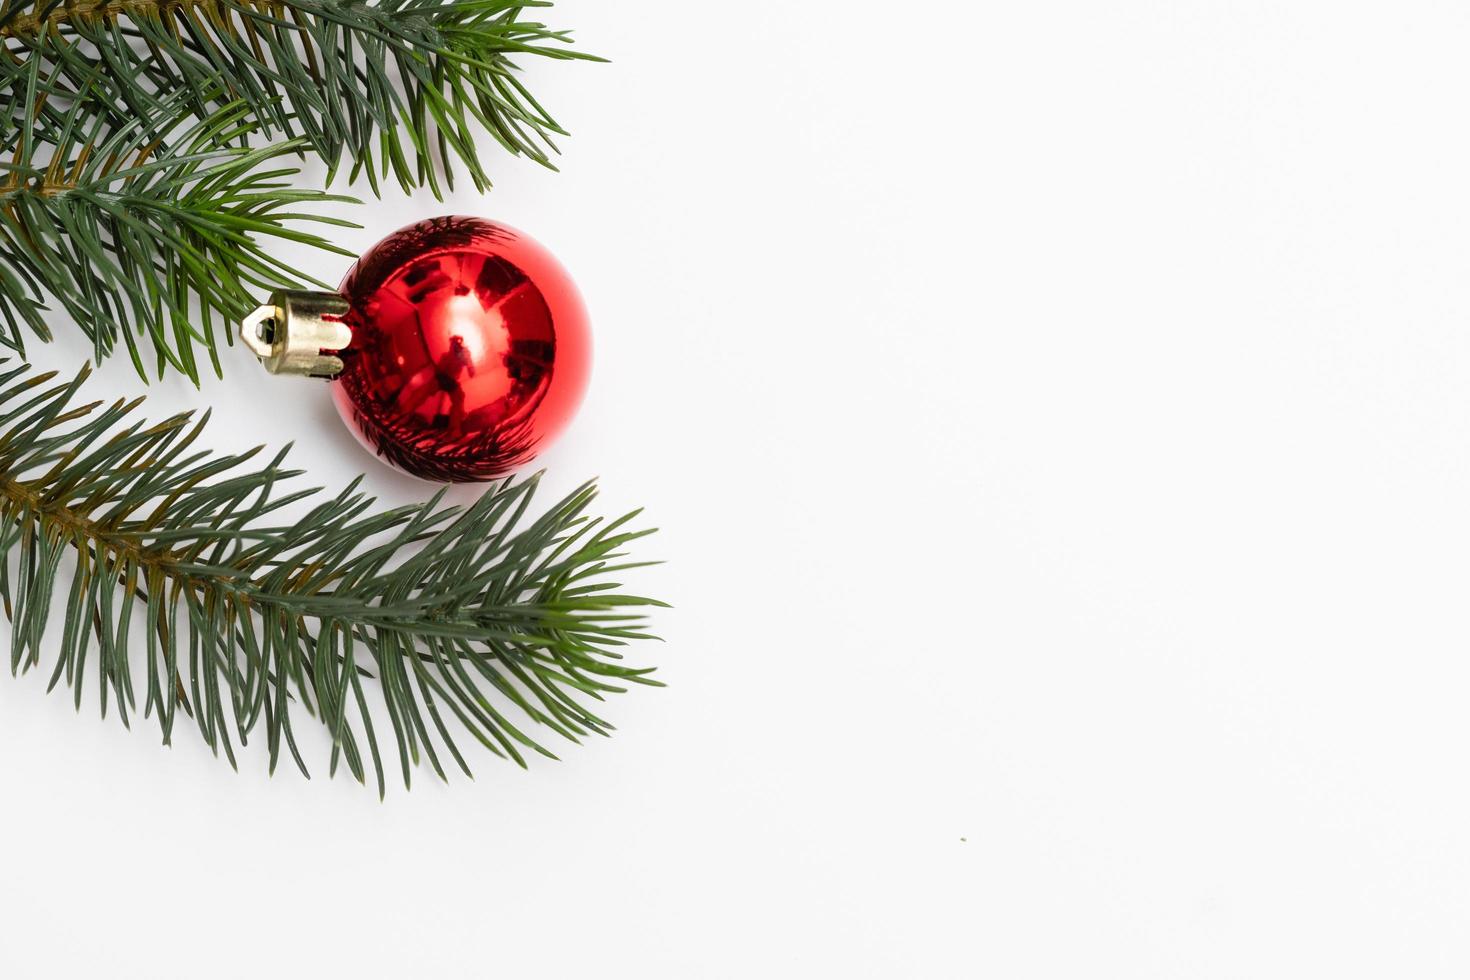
<point x="145" y="230"/>
<point x="192" y="594"/>
<point x="131" y="194"/>
<point x="391" y="86"/>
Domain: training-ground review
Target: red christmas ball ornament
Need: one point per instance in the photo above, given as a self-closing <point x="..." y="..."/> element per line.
<point x="457" y="347"/>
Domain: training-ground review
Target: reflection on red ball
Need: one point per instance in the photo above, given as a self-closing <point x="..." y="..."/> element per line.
<point x="470" y="349"/>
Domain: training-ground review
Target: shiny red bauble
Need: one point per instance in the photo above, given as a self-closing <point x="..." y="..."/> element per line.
<point x="470" y="349"/>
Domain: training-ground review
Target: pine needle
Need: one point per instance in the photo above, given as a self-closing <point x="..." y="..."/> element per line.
<point x="190" y="594"/>
<point x="393" y="87"/>
<point x="146" y="231"/>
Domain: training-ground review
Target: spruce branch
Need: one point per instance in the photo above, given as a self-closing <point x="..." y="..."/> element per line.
<point x="400" y="87"/>
<point x="459" y="619"/>
<point x="144" y="230"/>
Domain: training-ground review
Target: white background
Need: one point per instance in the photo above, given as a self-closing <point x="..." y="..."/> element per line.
<point x="1058" y="416"/>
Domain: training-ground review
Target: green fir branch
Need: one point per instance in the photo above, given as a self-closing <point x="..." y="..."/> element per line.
<point x="190" y="593"/>
<point x="145" y="230"/>
<point x="400" y="87"/>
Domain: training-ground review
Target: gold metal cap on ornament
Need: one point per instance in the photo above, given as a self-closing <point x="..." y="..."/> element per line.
<point x="298" y="332"/>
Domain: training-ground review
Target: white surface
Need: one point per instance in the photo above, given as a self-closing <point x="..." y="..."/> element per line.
<point x="1059" y="419"/>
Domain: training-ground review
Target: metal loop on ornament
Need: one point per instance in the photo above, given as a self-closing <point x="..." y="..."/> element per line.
<point x="298" y="332"/>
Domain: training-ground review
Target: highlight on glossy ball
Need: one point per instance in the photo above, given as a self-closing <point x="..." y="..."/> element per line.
<point x="470" y="349"/>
